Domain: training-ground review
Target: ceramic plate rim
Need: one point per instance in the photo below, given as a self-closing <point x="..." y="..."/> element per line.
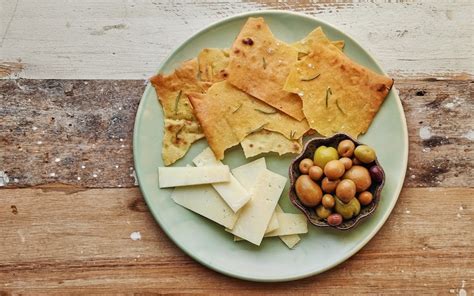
<point x="358" y="246"/>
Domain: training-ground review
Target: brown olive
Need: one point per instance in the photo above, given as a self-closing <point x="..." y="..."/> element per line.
<point x="334" y="219"/>
<point x="346" y="148"/>
<point x="328" y="201"/>
<point x="304" y="165"/>
<point x="308" y="191"/>
<point x="334" y="169"/>
<point x="346" y="190"/>
<point x="347" y="162"/>
<point x="361" y="177"/>
<point x="315" y="173"/>
<point x="322" y="212"/>
<point x="328" y="185"/>
<point x="365" y="198"/>
<point x="355" y="161"/>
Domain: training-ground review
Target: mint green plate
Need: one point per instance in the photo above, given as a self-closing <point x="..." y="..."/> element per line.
<point x="207" y="242"/>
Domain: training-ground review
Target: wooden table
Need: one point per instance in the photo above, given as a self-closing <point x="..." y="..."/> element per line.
<point x="73" y="74"/>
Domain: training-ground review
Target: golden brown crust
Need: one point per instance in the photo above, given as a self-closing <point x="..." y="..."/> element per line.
<point x="259" y="65"/>
<point x="344" y="97"/>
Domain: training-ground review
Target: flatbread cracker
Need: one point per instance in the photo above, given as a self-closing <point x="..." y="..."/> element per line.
<point x="266" y="141"/>
<point x="228" y="115"/>
<point x="305" y="45"/>
<point x="259" y="65"/>
<point x="181" y="127"/>
<point x="212" y="64"/>
<point x="338" y="94"/>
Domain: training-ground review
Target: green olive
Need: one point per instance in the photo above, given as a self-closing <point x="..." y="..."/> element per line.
<point x="305" y="164"/>
<point x="315" y="172"/>
<point x="328" y="201"/>
<point x="334" y="169"/>
<point x="346" y="190"/>
<point x="365" y="198"/>
<point x="349" y="210"/>
<point x="364" y="153"/>
<point x="308" y="192"/>
<point x="361" y="177"/>
<point x="322" y="212"/>
<point x="324" y="154"/>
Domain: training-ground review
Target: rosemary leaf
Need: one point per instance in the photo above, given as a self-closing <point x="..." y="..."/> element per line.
<point x="258" y="128"/>
<point x="302" y="54"/>
<point x="339" y="107"/>
<point x="264" y="63"/>
<point x="237" y="109"/>
<point x="266" y="112"/>
<point x="328" y="92"/>
<point x="310" y="78"/>
<point x="176" y="102"/>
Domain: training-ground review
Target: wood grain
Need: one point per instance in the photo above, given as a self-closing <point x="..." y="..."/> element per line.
<point x="80" y="132"/>
<point x="108" y="40"/>
<point x="63" y="240"/>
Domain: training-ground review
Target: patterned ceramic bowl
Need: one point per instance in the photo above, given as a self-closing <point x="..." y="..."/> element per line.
<point x="308" y="152"/>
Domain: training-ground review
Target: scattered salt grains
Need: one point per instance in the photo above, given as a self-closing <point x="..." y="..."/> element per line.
<point x="121" y="140"/>
<point x="94" y="175"/>
<point x="270" y="50"/>
<point x="78" y="178"/>
<point x="116" y="166"/>
<point x="39" y="142"/>
<point x="458" y="215"/>
<point x="469" y="135"/>
<point x="135" y="235"/>
<point x="413" y="176"/>
<point x="52" y="174"/>
<point x="57" y="159"/>
<point x="123" y="146"/>
<point x="449" y="105"/>
<point x="120" y="108"/>
<point x="34" y="128"/>
<point x="425" y="132"/>
<point x="301" y="94"/>
<point x="83" y="166"/>
<point x="16" y="180"/>
<point x="461" y="208"/>
<point x="407" y="211"/>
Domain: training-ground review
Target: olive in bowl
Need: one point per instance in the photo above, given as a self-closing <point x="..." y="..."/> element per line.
<point x="336" y="182"/>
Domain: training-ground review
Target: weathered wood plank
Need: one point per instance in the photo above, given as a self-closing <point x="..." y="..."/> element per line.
<point x="80" y="132"/>
<point x="106" y="40"/>
<point x="62" y="244"/>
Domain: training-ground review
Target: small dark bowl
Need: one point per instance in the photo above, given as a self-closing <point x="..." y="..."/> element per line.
<point x="308" y="152"/>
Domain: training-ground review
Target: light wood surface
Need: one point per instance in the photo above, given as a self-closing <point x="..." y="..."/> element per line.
<point x="73" y="74"/>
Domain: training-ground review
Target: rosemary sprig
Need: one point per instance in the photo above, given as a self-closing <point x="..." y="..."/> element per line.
<point x="264" y="63"/>
<point x="292" y="134"/>
<point x="339" y="107"/>
<point x="266" y="112"/>
<point x="237" y="109"/>
<point x="310" y="78"/>
<point x="328" y="92"/>
<point x="176" y="102"/>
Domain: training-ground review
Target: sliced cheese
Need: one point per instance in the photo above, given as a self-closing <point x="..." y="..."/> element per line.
<point x="256" y="214"/>
<point x="290" y="224"/>
<point x="233" y="193"/>
<point x="289" y="240"/>
<point x="205" y="201"/>
<point x="185" y="176"/>
<point x="273" y="224"/>
<point x="247" y="174"/>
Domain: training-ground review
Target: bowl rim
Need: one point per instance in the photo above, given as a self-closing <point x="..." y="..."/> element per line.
<point x="305" y="210"/>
